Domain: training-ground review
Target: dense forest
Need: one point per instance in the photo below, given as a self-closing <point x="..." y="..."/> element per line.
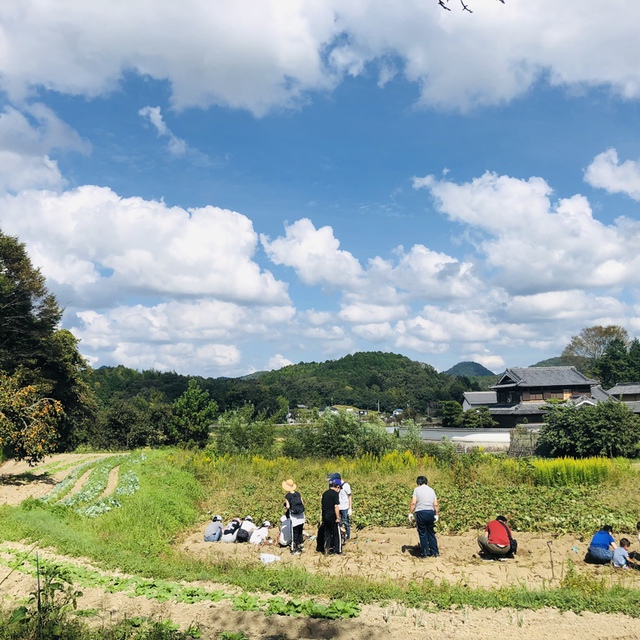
<point x="369" y="380"/>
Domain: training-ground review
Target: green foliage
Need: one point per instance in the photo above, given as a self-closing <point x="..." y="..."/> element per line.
<point x="34" y="350"/>
<point x="478" y="418"/>
<point x="364" y="380"/>
<point x="451" y="412"/>
<point x="607" y="429"/>
<point x="590" y="344"/>
<point x="560" y="472"/>
<point x="28" y="422"/>
<point x="339" y="434"/>
<point x="237" y="433"/>
<point x="193" y="414"/>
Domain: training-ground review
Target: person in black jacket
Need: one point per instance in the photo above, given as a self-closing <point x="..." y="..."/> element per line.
<point x="331" y="518"/>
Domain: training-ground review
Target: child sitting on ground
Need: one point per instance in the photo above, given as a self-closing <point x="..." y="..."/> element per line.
<point x="621" y="555"/>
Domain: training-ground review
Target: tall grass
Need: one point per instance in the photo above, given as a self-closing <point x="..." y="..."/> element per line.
<point x="568" y="471"/>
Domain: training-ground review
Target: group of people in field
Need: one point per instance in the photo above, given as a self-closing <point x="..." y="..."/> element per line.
<point x="496" y="542"/>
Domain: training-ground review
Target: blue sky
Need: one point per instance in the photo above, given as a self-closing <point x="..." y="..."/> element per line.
<point x="218" y="188"/>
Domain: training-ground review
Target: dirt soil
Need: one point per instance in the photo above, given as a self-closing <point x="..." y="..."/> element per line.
<point x="19" y="481"/>
<point x="372" y="553"/>
<point x="377" y="553"/>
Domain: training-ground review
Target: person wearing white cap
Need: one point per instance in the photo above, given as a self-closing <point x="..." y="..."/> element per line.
<point x="213" y="532"/>
<point x="295" y="511"/>
<point x="261" y="534"/>
<point x="246" y="529"/>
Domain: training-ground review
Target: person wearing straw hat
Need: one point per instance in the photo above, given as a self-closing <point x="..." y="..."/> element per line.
<point x="294" y="507"/>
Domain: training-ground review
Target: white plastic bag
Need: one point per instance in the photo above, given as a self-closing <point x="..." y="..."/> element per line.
<point x="268" y="558"/>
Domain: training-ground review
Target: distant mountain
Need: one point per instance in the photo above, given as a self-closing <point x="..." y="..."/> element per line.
<point x="558" y="361"/>
<point x="469" y="369"/>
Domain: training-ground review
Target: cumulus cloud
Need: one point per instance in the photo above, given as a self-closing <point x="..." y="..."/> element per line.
<point x="183" y="336"/>
<point x="606" y="172"/>
<point x="315" y="254"/>
<point x="27" y="139"/>
<point x="534" y="245"/>
<point x="277" y="362"/>
<point x="94" y="243"/>
<point x="271" y="54"/>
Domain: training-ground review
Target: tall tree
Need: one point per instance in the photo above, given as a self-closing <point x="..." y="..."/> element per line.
<point x="613" y="365"/>
<point x="29" y="314"/>
<point x="32" y="347"/>
<point x="193" y="413"/>
<point x="590" y="344"/>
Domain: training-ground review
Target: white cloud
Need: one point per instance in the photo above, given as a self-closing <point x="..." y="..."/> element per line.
<point x="315" y="255"/>
<point x="425" y="274"/>
<point x="27" y="139"/>
<point x="117" y="247"/>
<point x="269" y="54"/>
<point x="362" y="312"/>
<point x="177" y="146"/>
<point x="277" y="362"/>
<point x="534" y="245"/>
<point x="606" y="172"/>
<point x="183" y="336"/>
<point x="182" y="358"/>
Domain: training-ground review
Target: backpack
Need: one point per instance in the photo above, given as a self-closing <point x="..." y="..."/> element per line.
<point x="296" y="508"/>
<point x="243" y="535"/>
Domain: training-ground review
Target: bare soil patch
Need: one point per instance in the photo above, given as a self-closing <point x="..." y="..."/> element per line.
<point x="379" y="553"/>
<point x="19" y="481"/>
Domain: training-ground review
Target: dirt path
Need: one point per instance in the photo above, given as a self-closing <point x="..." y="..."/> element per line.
<point x="374" y="622"/>
<point x="19" y="481"/>
<point x="112" y="482"/>
<point x="378" y="553"/>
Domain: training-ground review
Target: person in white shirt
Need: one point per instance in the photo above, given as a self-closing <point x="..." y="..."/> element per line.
<point x="345" y="508"/>
<point x="424" y="504"/>
<point x="261" y="534"/>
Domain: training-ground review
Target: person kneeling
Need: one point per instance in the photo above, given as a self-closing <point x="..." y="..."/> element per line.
<point x="496" y="541"/>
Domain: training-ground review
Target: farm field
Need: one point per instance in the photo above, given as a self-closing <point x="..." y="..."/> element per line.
<point x="134" y="547"/>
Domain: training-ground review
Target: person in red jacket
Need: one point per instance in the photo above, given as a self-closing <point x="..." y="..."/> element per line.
<point x="495" y="542"/>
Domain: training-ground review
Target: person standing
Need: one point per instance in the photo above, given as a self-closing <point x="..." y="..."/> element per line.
<point x="294" y="507"/>
<point x="331" y="518"/>
<point x="424" y="504"/>
<point x="345" y="508"/>
<point x="496" y="539"/>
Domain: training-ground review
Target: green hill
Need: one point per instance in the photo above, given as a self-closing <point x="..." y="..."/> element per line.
<point x="469" y="369"/>
<point x="366" y="380"/>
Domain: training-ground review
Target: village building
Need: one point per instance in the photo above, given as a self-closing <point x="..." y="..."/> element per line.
<point x="522" y="394"/>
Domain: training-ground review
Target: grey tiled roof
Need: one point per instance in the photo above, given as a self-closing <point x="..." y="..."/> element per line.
<point x="543" y="377"/>
<point x="480" y="398"/>
<point x="624" y="388"/>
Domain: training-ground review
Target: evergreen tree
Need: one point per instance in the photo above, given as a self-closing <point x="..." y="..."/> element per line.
<point x="193" y="414"/>
<point x="613" y="365"/>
